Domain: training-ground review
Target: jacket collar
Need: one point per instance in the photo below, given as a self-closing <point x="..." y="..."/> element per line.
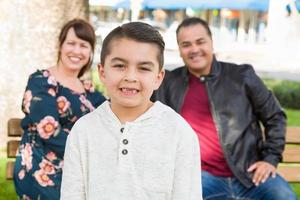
<point x="214" y="71"/>
<point x="215" y="68"/>
<point x="185" y="74"/>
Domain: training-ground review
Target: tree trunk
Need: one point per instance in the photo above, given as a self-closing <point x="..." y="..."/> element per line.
<point x="28" y="38"/>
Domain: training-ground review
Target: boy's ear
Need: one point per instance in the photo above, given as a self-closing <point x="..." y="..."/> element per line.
<point x="159" y="79"/>
<point x="101" y="72"/>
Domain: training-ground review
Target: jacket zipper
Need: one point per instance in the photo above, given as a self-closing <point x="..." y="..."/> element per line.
<point x="179" y="105"/>
<point x="216" y="121"/>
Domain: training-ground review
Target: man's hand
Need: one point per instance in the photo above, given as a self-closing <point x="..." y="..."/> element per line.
<point x="262" y="170"/>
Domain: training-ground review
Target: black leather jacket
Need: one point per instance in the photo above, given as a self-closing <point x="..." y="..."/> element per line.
<point x="239" y="102"/>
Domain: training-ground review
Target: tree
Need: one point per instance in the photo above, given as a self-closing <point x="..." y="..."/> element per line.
<point x="28" y="37"/>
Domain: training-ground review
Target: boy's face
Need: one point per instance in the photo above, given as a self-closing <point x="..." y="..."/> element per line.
<point x="131" y="74"/>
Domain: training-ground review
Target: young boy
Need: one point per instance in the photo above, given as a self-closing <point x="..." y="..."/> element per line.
<point x="131" y="148"/>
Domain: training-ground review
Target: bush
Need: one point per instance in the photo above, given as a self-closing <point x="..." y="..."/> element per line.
<point x="287" y="92"/>
<point x="97" y="83"/>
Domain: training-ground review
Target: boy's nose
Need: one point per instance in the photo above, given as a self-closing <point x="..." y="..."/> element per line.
<point x="130" y="75"/>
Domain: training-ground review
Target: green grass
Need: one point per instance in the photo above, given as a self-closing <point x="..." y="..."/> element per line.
<point x="296" y="188"/>
<point x="293" y="117"/>
<point x="7" y="190"/>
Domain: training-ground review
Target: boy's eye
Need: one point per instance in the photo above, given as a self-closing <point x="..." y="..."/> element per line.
<point x="145" y="68"/>
<point x="119" y="66"/>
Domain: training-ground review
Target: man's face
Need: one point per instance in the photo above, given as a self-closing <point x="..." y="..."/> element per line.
<point x="196" y="49"/>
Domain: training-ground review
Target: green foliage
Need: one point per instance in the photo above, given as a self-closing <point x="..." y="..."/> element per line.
<point x="287" y="92"/>
<point x="293" y="117"/>
<point x="97" y="83"/>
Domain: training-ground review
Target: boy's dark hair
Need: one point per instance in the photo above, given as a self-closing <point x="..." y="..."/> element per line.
<point x="137" y="31"/>
<point x="194" y="21"/>
<point x="84" y="31"/>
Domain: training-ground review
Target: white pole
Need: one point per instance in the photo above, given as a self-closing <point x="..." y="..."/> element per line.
<point x="135" y="7"/>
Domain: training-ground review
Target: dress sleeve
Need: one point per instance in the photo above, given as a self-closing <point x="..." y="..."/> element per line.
<point x="42" y="115"/>
<point x="96" y="98"/>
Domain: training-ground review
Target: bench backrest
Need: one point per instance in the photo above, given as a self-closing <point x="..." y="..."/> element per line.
<point x="289" y="168"/>
<point x="14" y="132"/>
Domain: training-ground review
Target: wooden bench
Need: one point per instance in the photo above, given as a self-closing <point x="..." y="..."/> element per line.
<point x="14" y="132"/>
<point x="289" y="168"/>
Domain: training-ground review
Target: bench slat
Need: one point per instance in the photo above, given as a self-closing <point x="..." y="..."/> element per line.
<point x="10" y="170"/>
<point x="12" y="147"/>
<point x="289" y="172"/>
<point x="291" y="154"/>
<point x="14" y="128"/>
<point x="293" y="135"/>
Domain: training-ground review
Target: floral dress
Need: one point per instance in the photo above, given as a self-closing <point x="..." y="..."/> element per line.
<point x="50" y="112"/>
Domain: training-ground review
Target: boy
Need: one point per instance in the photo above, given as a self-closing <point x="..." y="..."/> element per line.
<point x="131" y="148"/>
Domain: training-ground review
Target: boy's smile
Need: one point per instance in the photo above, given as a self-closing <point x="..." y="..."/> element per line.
<point x="131" y="74"/>
<point x="129" y="91"/>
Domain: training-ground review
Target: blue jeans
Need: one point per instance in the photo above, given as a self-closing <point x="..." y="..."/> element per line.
<point x="222" y="188"/>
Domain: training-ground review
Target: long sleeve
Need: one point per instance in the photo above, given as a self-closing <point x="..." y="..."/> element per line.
<point x="40" y="104"/>
<point x="271" y="115"/>
<point x="187" y="186"/>
<point x="73" y="180"/>
<point x="50" y="112"/>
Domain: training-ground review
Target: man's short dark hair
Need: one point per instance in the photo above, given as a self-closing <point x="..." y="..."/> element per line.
<point x="194" y="21"/>
<point x="137" y="31"/>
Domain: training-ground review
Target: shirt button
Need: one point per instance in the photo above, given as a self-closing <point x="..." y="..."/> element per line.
<point x="122" y="130"/>
<point x="124" y="151"/>
<point x="125" y="141"/>
<point x="202" y="79"/>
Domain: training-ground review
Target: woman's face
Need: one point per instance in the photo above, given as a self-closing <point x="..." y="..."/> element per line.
<point x="74" y="52"/>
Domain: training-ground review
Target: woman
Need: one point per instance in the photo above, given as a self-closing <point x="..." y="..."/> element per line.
<point x="54" y="99"/>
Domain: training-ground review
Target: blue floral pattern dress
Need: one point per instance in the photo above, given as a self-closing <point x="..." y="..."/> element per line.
<point x="50" y="112"/>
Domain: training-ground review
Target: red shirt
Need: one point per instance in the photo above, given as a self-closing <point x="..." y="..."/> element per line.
<point x="196" y="110"/>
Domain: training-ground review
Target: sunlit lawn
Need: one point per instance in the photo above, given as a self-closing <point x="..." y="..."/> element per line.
<point x="7" y="191"/>
<point x="293" y="117"/>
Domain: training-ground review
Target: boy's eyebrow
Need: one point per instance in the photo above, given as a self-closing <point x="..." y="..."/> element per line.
<point x="118" y="59"/>
<point x="125" y="61"/>
<point x="147" y="63"/>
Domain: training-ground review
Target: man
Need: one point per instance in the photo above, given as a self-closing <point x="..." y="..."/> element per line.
<point x="225" y="104"/>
